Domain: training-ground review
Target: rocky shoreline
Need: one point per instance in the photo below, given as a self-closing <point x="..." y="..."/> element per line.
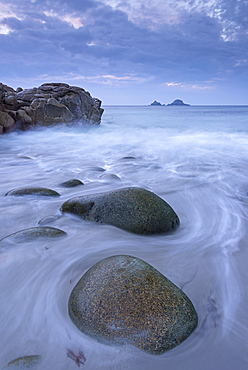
<point x="47" y="105"/>
<point x="121" y="299"/>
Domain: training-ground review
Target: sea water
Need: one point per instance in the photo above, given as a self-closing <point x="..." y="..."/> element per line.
<point x="196" y="158"/>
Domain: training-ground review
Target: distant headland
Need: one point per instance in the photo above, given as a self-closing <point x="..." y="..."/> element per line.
<point x="176" y="102"/>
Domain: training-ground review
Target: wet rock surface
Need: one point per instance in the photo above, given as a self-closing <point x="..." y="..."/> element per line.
<point x="133" y="209"/>
<point x="46" y="105"/>
<point x="33" y="191"/>
<point x="71" y="183"/>
<point x="26" y="362"/>
<point x="124" y="300"/>
<point x="35" y="233"/>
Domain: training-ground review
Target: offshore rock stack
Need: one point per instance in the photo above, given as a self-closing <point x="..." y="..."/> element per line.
<point x="46" y="105"/>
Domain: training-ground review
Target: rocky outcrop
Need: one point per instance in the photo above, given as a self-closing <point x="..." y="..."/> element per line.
<point x="177" y="102"/>
<point x="47" y="105"/>
<point x="124" y="300"/>
<point x="133" y="209"/>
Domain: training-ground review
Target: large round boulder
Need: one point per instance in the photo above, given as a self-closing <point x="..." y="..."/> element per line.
<point x="124" y="300"/>
<point x="134" y="209"/>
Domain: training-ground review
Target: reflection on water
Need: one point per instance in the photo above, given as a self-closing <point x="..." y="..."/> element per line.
<point x="201" y="174"/>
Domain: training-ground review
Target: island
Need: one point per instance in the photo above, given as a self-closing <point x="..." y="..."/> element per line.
<point x="177" y="102"/>
<point x="156" y="103"/>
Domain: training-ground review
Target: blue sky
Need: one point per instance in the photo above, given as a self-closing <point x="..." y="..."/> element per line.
<point x="129" y="51"/>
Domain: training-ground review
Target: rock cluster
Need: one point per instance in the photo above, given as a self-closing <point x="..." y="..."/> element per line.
<point x="121" y="299"/>
<point x="49" y="104"/>
<point x="124" y="300"/>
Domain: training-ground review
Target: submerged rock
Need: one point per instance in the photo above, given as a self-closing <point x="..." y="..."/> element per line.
<point x="124" y="300"/>
<point x="71" y="183"/>
<point x="49" y="219"/>
<point x="25" y="362"/>
<point x="109" y="177"/>
<point x="47" y="105"/>
<point x="34" y="191"/>
<point x="133" y="209"/>
<point x="35" y="233"/>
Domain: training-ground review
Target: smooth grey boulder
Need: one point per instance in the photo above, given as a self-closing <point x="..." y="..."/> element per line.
<point x="33" y="191"/>
<point x="46" y="105"/>
<point x="124" y="300"/>
<point x="71" y="183"/>
<point x="133" y="209"/>
<point x="35" y="233"/>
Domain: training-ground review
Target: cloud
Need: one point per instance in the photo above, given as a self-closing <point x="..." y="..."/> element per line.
<point x="147" y="14"/>
<point x="117" y="43"/>
<point x="173" y="84"/>
<point x="188" y="86"/>
<point x="72" y="20"/>
<point x="110" y="80"/>
<point x="231" y="14"/>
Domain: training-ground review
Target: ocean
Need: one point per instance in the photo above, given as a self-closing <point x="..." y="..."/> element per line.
<point x="195" y="158"/>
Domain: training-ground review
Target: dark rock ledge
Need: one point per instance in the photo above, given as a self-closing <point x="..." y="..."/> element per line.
<point x="46" y="105"/>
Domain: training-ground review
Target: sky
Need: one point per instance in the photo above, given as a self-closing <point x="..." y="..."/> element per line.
<point x="129" y="52"/>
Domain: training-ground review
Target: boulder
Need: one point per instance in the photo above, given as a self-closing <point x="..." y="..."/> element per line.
<point x="71" y="183"/>
<point x="134" y="209"/>
<point x="47" y="105"/>
<point x="34" y="233"/>
<point x="33" y="191"/>
<point x="7" y="123"/>
<point x="124" y="300"/>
